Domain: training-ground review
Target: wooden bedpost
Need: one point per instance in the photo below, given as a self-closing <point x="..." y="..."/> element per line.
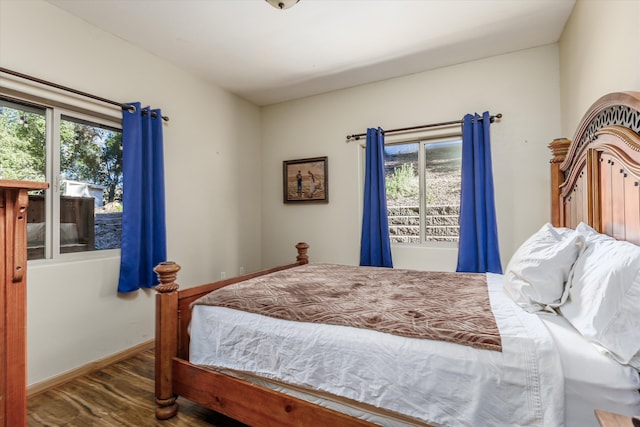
<point x="559" y="147"/>
<point x="166" y="338"/>
<point x="302" y="257"/>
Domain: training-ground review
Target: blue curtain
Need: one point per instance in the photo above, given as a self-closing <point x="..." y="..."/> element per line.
<point x="478" y="252"/>
<point x="143" y="217"/>
<point x="375" y="246"/>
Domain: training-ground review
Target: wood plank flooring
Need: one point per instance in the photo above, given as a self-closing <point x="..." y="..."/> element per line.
<point x="118" y="395"/>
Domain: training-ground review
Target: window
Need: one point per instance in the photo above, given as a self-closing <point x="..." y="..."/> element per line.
<point x="423" y="190"/>
<point x="80" y="155"/>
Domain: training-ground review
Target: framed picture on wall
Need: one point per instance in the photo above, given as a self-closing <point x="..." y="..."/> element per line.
<point x="306" y="180"/>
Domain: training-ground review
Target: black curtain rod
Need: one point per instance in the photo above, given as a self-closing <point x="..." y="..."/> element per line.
<point x="357" y="136"/>
<point x="77" y="92"/>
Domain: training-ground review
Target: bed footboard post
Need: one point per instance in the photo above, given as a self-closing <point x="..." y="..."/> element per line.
<point x="302" y="257"/>
<point x="166" y="338"/>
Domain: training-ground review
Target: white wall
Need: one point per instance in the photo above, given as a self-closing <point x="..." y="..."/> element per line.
<point x="599" y="54"/>
<point x="524" y="86"/>
<point x="212" y="156"/>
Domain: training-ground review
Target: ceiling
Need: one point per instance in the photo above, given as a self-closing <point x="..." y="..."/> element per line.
<point x="267" y="55"/>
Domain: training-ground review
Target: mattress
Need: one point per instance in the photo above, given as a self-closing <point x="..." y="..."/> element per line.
<point x="440" y="383"/>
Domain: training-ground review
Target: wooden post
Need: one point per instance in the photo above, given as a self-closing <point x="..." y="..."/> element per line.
<point x="559" y="147"/>
<point x="14" y="200"/>
<point x="166" y="338"/>
<point x="302" y="257"/>
<point x="14" y="313"/>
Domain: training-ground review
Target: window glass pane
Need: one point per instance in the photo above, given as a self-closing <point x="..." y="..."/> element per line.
<point x="442" y="190"/>
<point x="90" y="186"/>
<point x="23" y="157"/>
<point x="403" y="192"/>
<point x="22" y="141"/>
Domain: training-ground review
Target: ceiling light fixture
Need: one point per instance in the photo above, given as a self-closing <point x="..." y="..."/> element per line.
<point x="282" y="4"/>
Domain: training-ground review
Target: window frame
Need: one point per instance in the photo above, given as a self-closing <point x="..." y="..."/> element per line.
<point x="422" y="137"/>
<point x="58" y="103"/>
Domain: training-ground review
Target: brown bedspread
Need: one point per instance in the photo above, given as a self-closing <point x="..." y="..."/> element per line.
<point x="450" y="307"/>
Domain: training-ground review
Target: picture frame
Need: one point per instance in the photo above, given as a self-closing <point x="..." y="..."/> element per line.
<point x="306" y="180"/>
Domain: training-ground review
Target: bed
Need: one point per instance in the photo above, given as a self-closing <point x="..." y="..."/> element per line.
<point x="553" y="364"/>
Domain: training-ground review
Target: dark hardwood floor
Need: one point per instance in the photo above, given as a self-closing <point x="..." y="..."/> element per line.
<point x="118" y="395"/>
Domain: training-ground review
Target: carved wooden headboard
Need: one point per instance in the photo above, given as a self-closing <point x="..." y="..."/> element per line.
<point x="596" y="178"/>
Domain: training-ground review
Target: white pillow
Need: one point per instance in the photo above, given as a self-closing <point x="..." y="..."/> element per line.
<point x="604" y="297"/>
<point x="536" y="274"/>
<point x="635" y="361"/>
<point x="591" y="235"/>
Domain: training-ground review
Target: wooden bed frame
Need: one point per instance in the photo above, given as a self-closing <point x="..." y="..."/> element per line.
<point x="176" y="376"/>
<point x="596" y="180"/>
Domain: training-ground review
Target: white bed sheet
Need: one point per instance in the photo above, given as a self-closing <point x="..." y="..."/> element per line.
<point x="441" y="383"/>
<point x="593" y="380"/>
